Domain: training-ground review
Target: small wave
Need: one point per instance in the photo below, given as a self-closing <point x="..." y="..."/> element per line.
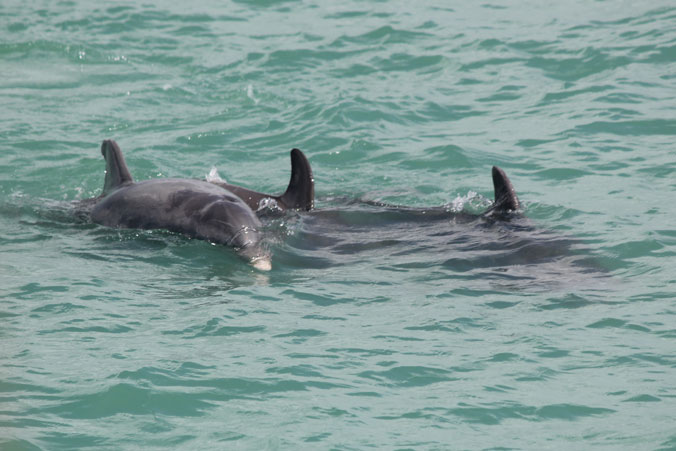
<point x="214" y="176"/>
<point x="250" y="94"/>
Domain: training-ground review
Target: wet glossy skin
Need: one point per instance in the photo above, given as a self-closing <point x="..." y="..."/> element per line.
<point x="199" y="209"/>
<point x="192" y="207"/>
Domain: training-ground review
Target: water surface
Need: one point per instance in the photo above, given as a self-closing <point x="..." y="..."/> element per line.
<point x="370" y="331"/>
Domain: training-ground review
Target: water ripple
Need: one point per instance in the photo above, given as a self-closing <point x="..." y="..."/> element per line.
<point x="378" y="326"/>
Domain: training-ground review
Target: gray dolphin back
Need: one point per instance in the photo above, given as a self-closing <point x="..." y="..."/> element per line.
<point x="117" y="173"/>
<point x="299" y="195"/>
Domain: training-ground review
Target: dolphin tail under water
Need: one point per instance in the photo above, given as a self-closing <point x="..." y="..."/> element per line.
<point x="299" y="195"/>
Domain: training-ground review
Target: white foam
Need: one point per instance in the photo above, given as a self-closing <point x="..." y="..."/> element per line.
<point x="268" y="203"/>
<point x="250" y="94"/>
<point x="459" y="202"/>
<point x="472" y="202"/>
<point x="213" y="176"/>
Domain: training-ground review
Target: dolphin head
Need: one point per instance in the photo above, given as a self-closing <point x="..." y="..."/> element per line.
<point x="247" y="243"/>
<point x="231" y="222"/>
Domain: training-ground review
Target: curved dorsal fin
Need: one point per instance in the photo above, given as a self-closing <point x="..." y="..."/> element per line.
<point x="117" y="173"/>
<point x="505" y="196"/>
<point x="299" y="195"/>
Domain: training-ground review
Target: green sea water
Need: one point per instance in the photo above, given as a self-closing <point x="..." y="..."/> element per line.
<point x="368" y="332"/>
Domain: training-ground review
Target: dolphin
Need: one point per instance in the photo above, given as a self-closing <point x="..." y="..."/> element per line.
<point x="505" y="206"/>
<point x="299" y="195"/>
<point x="192" y="207"/>
<point x="499" y="243"/>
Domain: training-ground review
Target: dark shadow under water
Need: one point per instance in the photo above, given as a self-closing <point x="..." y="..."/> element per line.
<point x="507" y="249"/>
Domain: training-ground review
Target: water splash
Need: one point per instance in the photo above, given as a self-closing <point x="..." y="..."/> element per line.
<point x="250" y="94"/>
<point x="213" y="176"/>
<point x="471" y="202"/>
<point x="268" y="203"/>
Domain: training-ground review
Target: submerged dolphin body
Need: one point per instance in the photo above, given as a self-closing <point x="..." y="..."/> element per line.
<point x="195" y="208"/>
<point x="500" y="244"/>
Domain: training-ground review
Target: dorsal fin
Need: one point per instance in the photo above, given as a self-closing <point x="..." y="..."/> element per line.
<point x="117" y="173"/>
<point x="505" y="196"/>
<point x="299" y="195"/>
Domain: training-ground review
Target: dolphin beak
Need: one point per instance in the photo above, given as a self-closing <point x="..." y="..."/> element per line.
<point x="262" y="263"/>
<point x="259" y="258"/>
